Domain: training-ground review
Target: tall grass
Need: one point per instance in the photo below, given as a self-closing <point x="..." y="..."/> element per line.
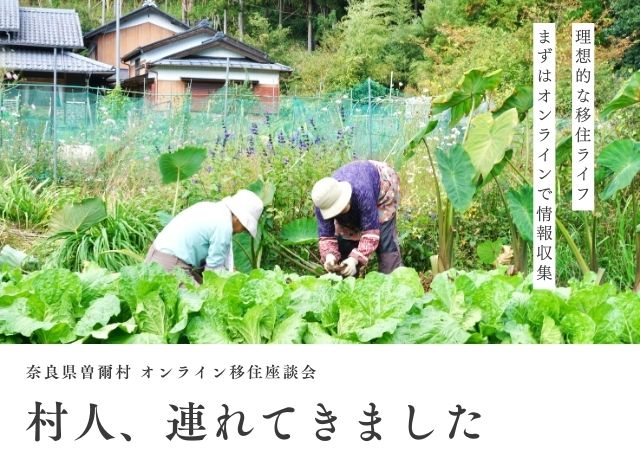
<point x="26" y="203"/>
<point x="119" y="240"/>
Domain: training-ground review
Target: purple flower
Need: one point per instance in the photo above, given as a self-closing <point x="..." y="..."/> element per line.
<point x="251" y="149"/>
<point x="281" y="138"/>
<point x="254" y="129"/>
<point x="209" y="169"/>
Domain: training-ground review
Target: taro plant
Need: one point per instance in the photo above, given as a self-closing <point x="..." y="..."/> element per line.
<point x="619" y="162"/>
<point x="466" y="166"/>
<point x="179" y="165"/>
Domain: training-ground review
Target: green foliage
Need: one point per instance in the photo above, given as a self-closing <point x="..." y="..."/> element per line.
<point x="181" y="164"/>
<point x="621" y="160"/>
<point x="626" y="24"/>
<point x="521" y="99"/>
<point x="468" y="95"/>
<point x="300" y="231"/>
<point x="628" y="95"/>
<point x="85" y="232"/>
<point x="457" y="174"/>
<point x="504" y="14"/>
<point x="377" y="38"/>
<point x="520" y="202"/>
<point x="27" y="203"/>
<point x="145" y="304"/>
<point x="488" y="251"/>
<point x="489" y="139"/>
<point x="75" y="218"/>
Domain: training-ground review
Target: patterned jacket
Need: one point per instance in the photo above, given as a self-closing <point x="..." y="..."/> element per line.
<point x="374" y="200"/>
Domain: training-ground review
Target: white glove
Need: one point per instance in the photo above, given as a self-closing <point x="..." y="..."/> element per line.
<point x="330" y="263"/>
<point x="349" y="267"/>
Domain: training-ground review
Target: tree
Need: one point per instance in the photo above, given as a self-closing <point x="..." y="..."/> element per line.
<point x="379" y="37"/>
<point x="626" y="24"/>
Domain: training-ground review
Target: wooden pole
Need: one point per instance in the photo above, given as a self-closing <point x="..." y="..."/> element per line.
<point x="241" y="19"/>
<point x="224" y="22"/>
<point x="117" y="11"/>
<point x="309" y="25"/>
<point x="280" y="6"/>
<point x="54" y="107"/>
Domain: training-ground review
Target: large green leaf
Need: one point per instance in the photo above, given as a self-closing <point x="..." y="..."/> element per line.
<point x="622" y="159"/>
<point x="242" y="253"/>
<point x="520" y="202"/>
<point x="563" y="150"/>
<point x="550" y="333"/>
<point x="457" y="173"/>
<point x="377" y="304"/>
<point x="74" y="218"/>
<point x="98" y="314"/>
<point x="488" y="139"/>
<point x="15" y="319"/>
<point x="469" y="93"/>
<point x="264" y="189"/>
<point x="496" y="171"/>
<point x="181" y="164"/>
<point x="431" y="326"/>
<point x="12" y="257"/>
<point x="628" y="95"/>
<point x="488" y="251"/>
<point x="300" y="231"/>
<point x="410" y="149"/>
<point x="315" y="334"/>
<point x="521" y="99"/>
<point x="291" y="330"/>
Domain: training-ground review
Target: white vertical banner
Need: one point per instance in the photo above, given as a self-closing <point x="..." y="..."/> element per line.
<point x="582" y="116"/>
<point x="544" y="155"/>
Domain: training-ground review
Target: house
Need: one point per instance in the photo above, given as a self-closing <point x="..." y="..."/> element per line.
<point x="201" y="61"/>
<point x="36" y="42"/>
<point x="165" y="57"/>
<point x="141" y="26"/>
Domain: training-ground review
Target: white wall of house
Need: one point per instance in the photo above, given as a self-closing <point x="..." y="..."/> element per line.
<point x="173" y="48"/>
<point x="154" y="18"/>
<point x="220" y="53"/>
<point x="263" y="77"/>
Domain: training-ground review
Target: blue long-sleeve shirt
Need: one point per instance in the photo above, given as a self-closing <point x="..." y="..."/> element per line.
<point x="200" y="235"/>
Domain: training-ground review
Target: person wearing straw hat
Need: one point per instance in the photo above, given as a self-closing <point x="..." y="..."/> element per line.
<point x="356" y="213"/>
<point x="200" y="236"/>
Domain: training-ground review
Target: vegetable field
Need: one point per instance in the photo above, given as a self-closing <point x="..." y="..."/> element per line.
<point x="143" y="304"/>
<point x="466" y="206"/>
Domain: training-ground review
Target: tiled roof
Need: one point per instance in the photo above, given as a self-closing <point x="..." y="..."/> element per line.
<point x="46" y="27"/>
<point x="9" y="15"/>
<point x="222" y="63"/>
<point x="39" y="60"/>
<point x="145" y="9"/>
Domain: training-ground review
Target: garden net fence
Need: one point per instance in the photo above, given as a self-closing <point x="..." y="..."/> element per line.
<point x="371" y="127"/>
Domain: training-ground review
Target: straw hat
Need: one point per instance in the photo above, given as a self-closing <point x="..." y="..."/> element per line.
<point x="331" y="196"/>
<point x="247" y="207"/>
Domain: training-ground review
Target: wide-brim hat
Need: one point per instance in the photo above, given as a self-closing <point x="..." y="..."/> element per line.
<point x="331" y="196"/>
<point x="247" y="207"/>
